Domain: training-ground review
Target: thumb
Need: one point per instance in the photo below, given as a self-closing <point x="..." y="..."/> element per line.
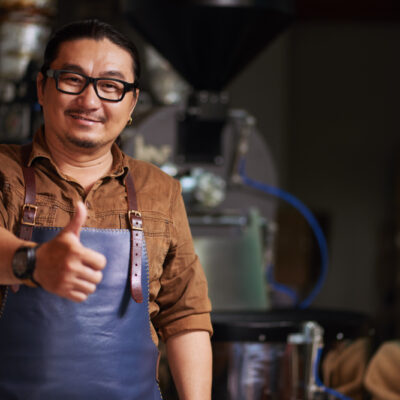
<point x="77" y="220"/>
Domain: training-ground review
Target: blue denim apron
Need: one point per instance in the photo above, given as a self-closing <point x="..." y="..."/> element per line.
<point x="54" y="349"/>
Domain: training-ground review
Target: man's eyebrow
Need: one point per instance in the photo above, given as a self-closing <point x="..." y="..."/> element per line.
<point x="104" y="74"/>
<point x="112" y="74"/>
<point x="72" y="67"/>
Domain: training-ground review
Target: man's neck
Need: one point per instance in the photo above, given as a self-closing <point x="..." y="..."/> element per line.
<point x="85" y="167"/>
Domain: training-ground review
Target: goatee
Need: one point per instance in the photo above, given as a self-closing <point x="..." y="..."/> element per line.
<point x="84" y="144"/>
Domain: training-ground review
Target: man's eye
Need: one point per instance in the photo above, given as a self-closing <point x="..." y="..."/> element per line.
<point x="71" y="79"/>
<point x="109" y="86"/>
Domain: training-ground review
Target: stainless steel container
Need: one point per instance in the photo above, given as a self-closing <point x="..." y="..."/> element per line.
<point x="24" y="30"/>
<point x="21" y="41"/>
<point x="270" y="355"/>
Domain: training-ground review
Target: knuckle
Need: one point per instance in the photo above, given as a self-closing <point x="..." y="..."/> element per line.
<point x="98" y="277"/>
<point x="80" y="298"/>
<point x="92" y="289"/>
<point x="69" y="268"/>
<point x="103" y="261"/>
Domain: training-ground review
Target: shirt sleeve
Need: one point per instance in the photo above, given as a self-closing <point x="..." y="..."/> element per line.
<point x="183" y="297"/>
<point x="3" y="211"/>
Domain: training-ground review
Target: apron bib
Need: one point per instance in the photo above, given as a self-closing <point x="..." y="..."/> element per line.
<point x="53" y="348"/>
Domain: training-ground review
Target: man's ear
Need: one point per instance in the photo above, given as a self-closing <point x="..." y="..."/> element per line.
<point x="135" y="100"/>
<point x="40" y="87"/>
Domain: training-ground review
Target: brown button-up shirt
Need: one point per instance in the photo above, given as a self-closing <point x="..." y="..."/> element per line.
<point x="178" y="289"/>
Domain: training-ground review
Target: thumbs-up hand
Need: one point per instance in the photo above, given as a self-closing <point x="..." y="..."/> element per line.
<point x="67" y="268"/>
<point x="78" y="220"/>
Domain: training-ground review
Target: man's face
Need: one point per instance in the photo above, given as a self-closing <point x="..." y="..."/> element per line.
<point x="84" y="120"/>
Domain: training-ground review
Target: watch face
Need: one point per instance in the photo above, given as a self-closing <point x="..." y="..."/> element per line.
<point x="20" y="263"/>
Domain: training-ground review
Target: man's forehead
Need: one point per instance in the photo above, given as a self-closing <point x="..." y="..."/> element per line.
<point x="99" y="55"/>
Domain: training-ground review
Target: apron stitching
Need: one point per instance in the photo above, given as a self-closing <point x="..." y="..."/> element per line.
<point x="116" y="231"/>
<point x="146" y="262"/>
<point x="3" y="299"/>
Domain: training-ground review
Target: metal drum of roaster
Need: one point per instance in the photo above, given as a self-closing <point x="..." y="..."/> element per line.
<point x="270" y="355"/>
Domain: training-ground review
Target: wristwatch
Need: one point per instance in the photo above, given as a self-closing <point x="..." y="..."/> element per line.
<point x="24" y="263"/>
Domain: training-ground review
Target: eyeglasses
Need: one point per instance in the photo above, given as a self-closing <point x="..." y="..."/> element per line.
<point x="71" y="82"/>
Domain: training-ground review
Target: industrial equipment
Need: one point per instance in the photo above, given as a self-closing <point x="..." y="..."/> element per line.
<point x="209" y="42"/>
<point x="25" y="26"/>
<point x="204" y="143"/>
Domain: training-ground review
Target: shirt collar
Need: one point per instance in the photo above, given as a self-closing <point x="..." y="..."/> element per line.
<point x="40" y="149"/>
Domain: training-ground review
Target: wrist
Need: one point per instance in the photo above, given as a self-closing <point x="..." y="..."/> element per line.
<point x="24" y="263"/>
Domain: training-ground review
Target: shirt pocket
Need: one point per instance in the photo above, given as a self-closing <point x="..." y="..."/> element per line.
<point x="156" y="227"/>
<point x="46" y="211"/>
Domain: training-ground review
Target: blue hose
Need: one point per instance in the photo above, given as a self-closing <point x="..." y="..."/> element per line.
<point x="291" y="293"/>
<point x="308" y="215"/>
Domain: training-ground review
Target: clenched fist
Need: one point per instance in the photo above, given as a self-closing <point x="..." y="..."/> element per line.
<point x="67" y="268"/>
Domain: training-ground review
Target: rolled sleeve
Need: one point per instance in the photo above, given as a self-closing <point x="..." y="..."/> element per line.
<point x="3" y="211"/>
<point x="183" y="297"/>
<point x="4" y="197"/>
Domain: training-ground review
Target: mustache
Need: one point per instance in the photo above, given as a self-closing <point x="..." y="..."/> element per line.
<point x="78" y="112"/>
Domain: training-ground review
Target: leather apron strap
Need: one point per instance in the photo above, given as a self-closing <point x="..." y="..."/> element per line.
<point x="29" y="211"/>
<point x="136" y="228"/>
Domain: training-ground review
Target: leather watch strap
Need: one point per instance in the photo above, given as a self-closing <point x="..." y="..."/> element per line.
<point x="32" y="265"/>
<point x="136" y="228"/>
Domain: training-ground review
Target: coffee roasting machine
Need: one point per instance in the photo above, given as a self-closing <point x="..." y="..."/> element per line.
<point x="260" y="351"/>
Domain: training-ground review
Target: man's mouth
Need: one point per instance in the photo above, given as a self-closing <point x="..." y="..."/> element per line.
<point x="84" y="116"/>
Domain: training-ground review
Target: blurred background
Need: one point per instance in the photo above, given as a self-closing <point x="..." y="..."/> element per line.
<point x="238" y="97"/>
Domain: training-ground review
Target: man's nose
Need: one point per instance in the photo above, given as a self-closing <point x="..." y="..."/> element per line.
<point x="89" y="96"/>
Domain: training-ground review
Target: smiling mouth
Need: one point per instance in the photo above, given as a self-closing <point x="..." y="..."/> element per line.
<point x="85" y="118"/>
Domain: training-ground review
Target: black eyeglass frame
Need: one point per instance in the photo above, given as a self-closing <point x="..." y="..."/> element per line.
<point x="55" y="73"/>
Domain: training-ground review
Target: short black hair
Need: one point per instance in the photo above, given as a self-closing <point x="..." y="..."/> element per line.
<point x="89" y="29"/>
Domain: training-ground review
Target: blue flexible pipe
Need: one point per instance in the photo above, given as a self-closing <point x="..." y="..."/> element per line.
<point x="308" y="215"/>
<point x="291" y="293"/>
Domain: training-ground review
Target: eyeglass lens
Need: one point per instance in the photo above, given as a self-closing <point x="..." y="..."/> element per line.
<point x="106" y="88"/>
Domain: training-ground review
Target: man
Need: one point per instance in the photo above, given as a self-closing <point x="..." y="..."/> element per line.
<point x="89" y="290"/>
